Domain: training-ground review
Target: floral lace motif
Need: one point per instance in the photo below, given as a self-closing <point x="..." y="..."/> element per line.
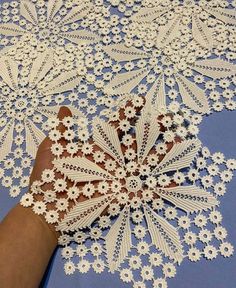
<point x="83" y="45"/>
<point x="40" y="74"/>
<point x="155" y="182"/>
<point x="152" y="191"/>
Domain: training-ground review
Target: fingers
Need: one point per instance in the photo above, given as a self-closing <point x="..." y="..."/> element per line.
<point x="63" y="112"/>
<point x="122" y="116"/>
<point x="46" y="143"/>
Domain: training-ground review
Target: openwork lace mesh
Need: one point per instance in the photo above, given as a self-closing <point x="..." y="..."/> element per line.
<point x="132" y="188"/>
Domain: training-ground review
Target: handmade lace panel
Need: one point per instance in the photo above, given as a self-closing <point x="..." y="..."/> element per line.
<point x="94" y="56"/>
<point x="39" y="74"/>
<point x="182" y="50"/>
<point x="55" y="22"/>
<point x="187" y="45"/>
<point x="100" y="48"/>
<point x="141" y="196"/>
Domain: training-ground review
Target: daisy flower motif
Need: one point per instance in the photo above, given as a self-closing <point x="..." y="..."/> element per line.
<point x="166" y="21"/>
<point x="31" y="91"/>
<point x="150" y="195"/>
<point x="183" y="78"/>
<point x="52" y="21"/>
<point x="20" y="101"/>
<point x="134" y="189"/>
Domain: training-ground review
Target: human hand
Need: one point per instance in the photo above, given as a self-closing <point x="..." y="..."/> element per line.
<point x="77" y="189"/>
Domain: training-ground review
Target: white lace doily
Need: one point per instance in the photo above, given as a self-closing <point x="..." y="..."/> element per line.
<point x="140" y="197"/>
<point x="100" y="57"/>
<point x="116" y="48"/>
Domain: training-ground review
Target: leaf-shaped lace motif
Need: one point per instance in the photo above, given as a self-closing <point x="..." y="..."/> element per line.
<point x="228" y="16"/>
<point x="106" y="137"/>
<point x="6" y="49"/>
<point x="42" y="64"/>
<point x="80" y="169"/>
<point x="147" y="14"/>
<point x="34" y="136"/>
<point x="147" y="132"/>
<point x="11" y="30"/>
<point x="180" y="156"/>
<point x="6" y="136"/>
<point x="84" y="214"/>
<point x="78" y="13"/>
<point x="168" y="33"/>
<point x="63" y="83"/>
<point x="53" y="111"/>
<point x="28" y="11"/>
<point x="118" y="240"/>
<point x="164" y="236"/>
<point x="192" y="95"/>
<point x="81" y="36"/>
<point x="53" y="8"/>
<point x="120" y="52"/>
<point x="215" y="68"/>
<point x="48" y="111"/>
<point x="9" y="72"/>
<point x="126" y="82"/>
<point x="188" y="198"/>
<point x="156" y="96"/>
<point x="201" y="33"/>
<point x="76" y="113"/>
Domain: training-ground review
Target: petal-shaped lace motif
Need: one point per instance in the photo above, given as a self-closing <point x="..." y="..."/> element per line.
<point x="148" y="14"/>
<point x="79" y="169"/>
<point x="168" y="33"/>
<point x="215" y="68"/>
<point x="106" y="137"/>
<point x="164" y="236"/>
<point x="11" y="30"/>
<point x="118" y="240"/>
<point x="6" y="49"/>
<point x="156" y="96"/>
<point x="62" y="83"/>
<point x="6" y="136"/>
<point x="192" y="95"/>
<point x="81" y="36"/>
<point x="48" y="111"/>
<point x="201" y="33"/>
<point x="77" y="13"/>
<point x="180" y="156"/>
<point x="147" y="132"/>
<point x="33" y="137"/>
<point x="76" y="113"/>
<point x="28" y="11"/>
<point x="188" y="198"/>
<point x="228" y="16"/>
<point x="42" y="64"/>
<point x="53" y="110"/>
<point x="120" y="52"/>
<point x="126" y="82"/>
<point x="9" y="72"/>
<point x="53" y="7"/>
<point x="84" y="214"/>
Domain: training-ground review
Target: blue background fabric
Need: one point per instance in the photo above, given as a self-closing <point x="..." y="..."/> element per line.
<point x="217" y="132"/>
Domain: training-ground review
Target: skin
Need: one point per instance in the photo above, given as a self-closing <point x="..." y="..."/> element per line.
<point x="27" y="241"/>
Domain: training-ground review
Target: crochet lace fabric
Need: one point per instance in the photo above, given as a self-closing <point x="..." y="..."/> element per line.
<point x="132" y="189"/>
